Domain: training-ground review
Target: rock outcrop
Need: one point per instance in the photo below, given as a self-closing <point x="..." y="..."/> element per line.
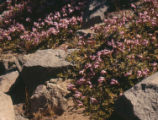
<point x="43" y="65"/>
<point x="9" y="63"/>
<point x="53" y="94"/>
<point x="141" y="101"/>
<point x="6" y="107"/>
<point x="95" y="12"/>
<point x="7" y="80"/>
<point x="35" y="71"/>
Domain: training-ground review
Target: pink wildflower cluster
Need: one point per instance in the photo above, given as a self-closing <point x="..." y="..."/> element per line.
<point x="53" y="23"/>
<point x="120" y="53"/>
<point x="32" y="33"/>
<point x="8" y="16"/>
<point x="11" y="32"/>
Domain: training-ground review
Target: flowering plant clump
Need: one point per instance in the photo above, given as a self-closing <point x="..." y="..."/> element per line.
<point x="121" y="53"/>
<point x="22" y="27"/>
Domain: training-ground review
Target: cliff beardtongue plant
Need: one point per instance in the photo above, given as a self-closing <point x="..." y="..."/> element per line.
<point x="52" y="30"/>
<point x="124" y="52"/>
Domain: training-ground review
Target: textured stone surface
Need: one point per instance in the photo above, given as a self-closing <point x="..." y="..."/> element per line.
<point x="47" y="58"/>
<point x="52" y="93"/>
<point x="7" y="80"/>
<point x="73" y="114"/>
<point x="6" y="107"/>
<point x="43" y="64"/>
<point x="9" y="63"/>
<point x="19" y="112"/>
<point x="95" y="12"/>
<point x="141" y="101"/>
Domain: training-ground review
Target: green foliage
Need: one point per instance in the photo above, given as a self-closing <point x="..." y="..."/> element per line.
<point x="133" y="56"/>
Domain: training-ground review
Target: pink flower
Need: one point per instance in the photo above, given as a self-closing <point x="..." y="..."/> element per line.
<point x="114" y="82"/>
<point x="80" y="19"/>
<point x="79" y="103"/>
<point x="93" y="100"/>
<point x="88" y="65"/>
<point x="81" y="43"/>
<point x="53" y="31"/>
<point x="106" y="52"/>
<point x="101" y="79"/>
<point x="145" y="42"/>
<point x="122" y="32"/>
<point x="99" y="59"/>
<point x="69" y="5"/>
<point x="103" y="72"/>
<point x="121" y="94"/>
<point x="70" y="86"/>
<point x="128" y="73"/>
<point x="83" y="97"/>
<point x="138" y="36"/>
<point x="133" y="6"/>
<point x="145" y="72"/>
<point x="96" y="64"/>
<point x="28" y="19"/>
<point x="90" y="84"/>
<point x="154" y="64"/>
<point x="139" y="74"/>
<point x="140" y="56"/>
<point x="71" y="10"/>
<point x="81" y="81"/>
<point x="77" y="94"/>
<point x="153" y="38"/>
<point x="77" y="8"/>
<point x="99" y="53"/>
<point x="92" y="57"/>
<point x="81" y="72"/>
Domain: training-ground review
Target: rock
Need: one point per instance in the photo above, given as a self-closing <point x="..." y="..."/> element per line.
<point x="46" y="58"/>
<point x="73" y="114"/>
<point x="6" y="107"/>
<point x="19" y="112"/>
<point x="95" y="12"/>
<point x="19" y="117"/>
<point x="11" y="63"/>
<point x="51" y="94"/>
<point x="87" y="33"/>
<point x="141" y="101"/>
<point x="7" y="80"/>
<point x="42" y="65"/>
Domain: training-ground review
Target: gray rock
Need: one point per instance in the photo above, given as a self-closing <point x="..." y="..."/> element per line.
<point x="7" y="80"/>
<point x="46" y="58"/>
<point x="53" y="94"/>
<point x="95" y="12"/>
<point x="6" y="107"/>
<point x="10" y="64"/>
<point x="141" y="101"/>
<point x="43" y="65"/>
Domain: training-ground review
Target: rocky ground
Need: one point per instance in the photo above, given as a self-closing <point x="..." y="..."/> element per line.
<point x="29" y="84"/>
<point x="17" y="75"/>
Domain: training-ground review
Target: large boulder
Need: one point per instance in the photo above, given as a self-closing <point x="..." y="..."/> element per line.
<point x="43" y="65"/>
<point x="51" y="94"/>
<point x="7" y="80"/>
<point x="141" y="101"/>
<point x="6" y="107"/>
